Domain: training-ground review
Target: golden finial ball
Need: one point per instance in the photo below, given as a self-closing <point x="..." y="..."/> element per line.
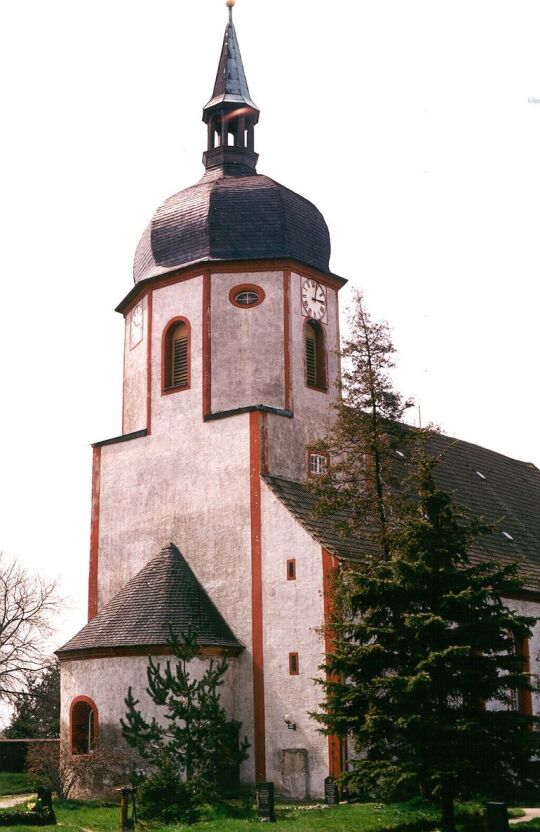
<point x="230" y="3"/>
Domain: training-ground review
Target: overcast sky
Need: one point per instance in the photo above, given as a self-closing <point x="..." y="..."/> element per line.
<point x="415" y="128"/>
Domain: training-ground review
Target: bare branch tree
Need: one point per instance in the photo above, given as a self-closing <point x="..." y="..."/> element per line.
<point x="28" y="604"/>
<point x="68" y="774"/>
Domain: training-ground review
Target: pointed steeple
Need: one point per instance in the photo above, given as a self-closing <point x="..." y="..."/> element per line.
<point x="230" y="114"/>
<point x="231" y="82"/>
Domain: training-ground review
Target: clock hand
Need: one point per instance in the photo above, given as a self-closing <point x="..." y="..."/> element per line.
<point x="317" y="300"/>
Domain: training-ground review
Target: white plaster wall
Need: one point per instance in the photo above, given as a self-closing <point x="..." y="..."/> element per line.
<point x="189" y="483"/>
<point x="247" y="344"/>
<point x="134" y="398"/>
<point x="289" y="438"/>
<point x="184" y="299"/>
<point x="530" y="608"/>
<point x="293" y="615"/>
<point x="106" y="682"/>
<point x="309" y="403"/>
<point x="189" y="486"/>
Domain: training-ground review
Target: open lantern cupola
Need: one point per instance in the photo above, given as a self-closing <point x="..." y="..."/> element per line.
<point x="230" y="114"/>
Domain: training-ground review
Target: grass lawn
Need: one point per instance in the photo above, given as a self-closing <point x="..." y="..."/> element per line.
<point x="14" y="783"/>
<point x="74" y="816"/>
<point x="415" y="816"/>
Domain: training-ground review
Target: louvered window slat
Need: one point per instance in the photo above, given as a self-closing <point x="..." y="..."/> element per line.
<point x="311" y="360"/>
<point x="180" y="362"/>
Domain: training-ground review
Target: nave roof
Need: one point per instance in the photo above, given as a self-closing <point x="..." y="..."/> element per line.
<point x="503" y="491"/>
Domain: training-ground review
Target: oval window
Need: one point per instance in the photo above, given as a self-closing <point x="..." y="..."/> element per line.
<point x="246" y="295"/>
<point x="247" y="298"/>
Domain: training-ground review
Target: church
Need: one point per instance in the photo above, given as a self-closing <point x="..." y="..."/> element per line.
<point x="200" y="512"/>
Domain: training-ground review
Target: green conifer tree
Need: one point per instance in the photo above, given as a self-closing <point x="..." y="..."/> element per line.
<point x="36" y="713"/>
<point x="194" y="747"/>
<point x="424" y="669"/>
<point x="363" y="478"/>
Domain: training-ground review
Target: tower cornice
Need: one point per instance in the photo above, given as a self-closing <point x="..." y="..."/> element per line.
<point x="201" y="267"/>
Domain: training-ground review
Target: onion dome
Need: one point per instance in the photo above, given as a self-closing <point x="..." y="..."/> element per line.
<point x="233" y="213"/>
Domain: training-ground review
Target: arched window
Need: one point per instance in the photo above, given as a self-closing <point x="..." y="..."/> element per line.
<point x="176" y="356"/>
<point x="83" y="725"/>
<point x="315" y="356"/>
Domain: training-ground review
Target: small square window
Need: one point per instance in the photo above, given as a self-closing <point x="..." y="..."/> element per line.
<point x="513" y="700"/>
<point x="294" y="664"/>
<point x="291" y="570"/>
<point x="317" y="464"/>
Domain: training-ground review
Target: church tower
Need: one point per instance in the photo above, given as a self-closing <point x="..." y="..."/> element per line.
<point x="230" y="367"/>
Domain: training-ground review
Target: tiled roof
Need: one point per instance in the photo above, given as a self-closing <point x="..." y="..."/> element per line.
<point x="232" y="217"/>
<point x="164" y="594"/>
<point x="301" y="503"/>
<point x="501" y="490"/>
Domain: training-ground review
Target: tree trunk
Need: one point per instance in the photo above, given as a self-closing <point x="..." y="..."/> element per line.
<point x="448" y="819"/>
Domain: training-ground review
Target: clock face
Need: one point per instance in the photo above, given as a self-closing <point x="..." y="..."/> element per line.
<point x="313" y="299"/>
<point x="136" y="326"/>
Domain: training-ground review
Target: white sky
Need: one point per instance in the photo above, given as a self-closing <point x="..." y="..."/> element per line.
<point x="406" y="122"/>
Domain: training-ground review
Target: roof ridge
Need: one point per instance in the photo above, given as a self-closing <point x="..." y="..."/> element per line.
<point x="458" y="441"/>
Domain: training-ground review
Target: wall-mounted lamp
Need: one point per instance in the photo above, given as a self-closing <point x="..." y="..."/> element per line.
<point x="289" y="723"/>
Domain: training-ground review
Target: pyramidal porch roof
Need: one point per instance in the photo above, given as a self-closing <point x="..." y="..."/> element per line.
<point x="164" y="595"/>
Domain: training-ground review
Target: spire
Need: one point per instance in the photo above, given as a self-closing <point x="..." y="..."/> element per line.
<point x="230" y="114"/>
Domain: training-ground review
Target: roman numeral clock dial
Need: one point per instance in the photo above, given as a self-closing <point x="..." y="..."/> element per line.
<point x="313" y="299"/>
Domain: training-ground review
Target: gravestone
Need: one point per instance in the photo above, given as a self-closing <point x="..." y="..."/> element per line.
<point x="331" y="792"/>
<point x="294" y="773"/>
<point x="44" y="795"/>
<point x="264" y="798"/>
<point x="496" y="817"/>
<point x="45" y="807"/>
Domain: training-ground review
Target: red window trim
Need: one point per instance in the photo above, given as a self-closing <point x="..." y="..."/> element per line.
<point x="291" y="561"/>
<point x="96" y="719"/>
<point x="292" y="658"/>
<point x="311" y="451"/>
<point x="166" y="391"/>
<point x="246" y="287"/>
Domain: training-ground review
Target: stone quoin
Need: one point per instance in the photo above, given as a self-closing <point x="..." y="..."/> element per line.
<point x="199" y="509"/>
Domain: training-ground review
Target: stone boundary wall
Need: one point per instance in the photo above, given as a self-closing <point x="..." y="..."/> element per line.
<point x="13" y="753"/>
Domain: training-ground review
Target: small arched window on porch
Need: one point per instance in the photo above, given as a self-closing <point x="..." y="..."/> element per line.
<point x="176" y="356"/>
<point x="83" y="725"/>
<point x="315" y="356"/>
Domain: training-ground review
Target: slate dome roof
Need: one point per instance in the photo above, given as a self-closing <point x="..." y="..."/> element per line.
<point x="232" y="217"/>
<point x="233" y="213"/>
